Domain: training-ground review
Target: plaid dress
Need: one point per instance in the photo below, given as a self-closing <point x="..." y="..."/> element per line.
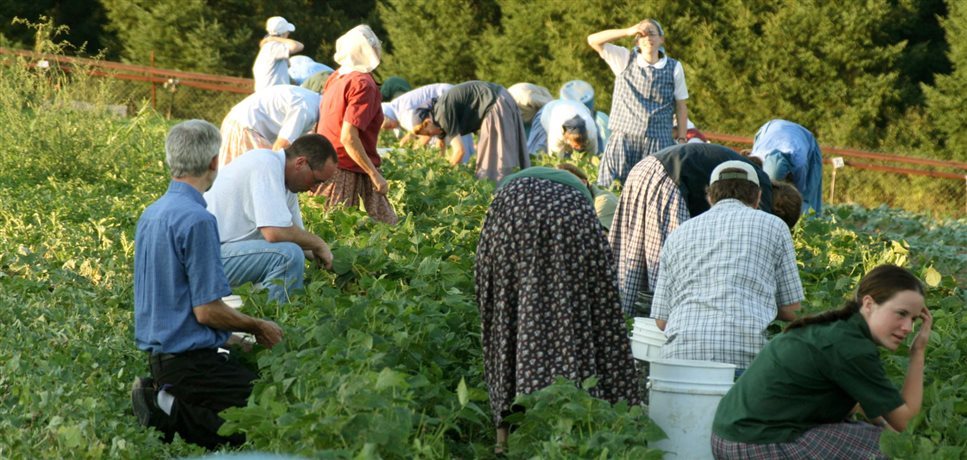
<point x="547" y="296"/>
<point x="641" y="118"/>
<point x="651" y="207"/>
<point x="834" y="441"/>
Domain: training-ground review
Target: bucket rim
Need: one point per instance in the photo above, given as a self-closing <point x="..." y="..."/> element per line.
<point x="694" y="363"/>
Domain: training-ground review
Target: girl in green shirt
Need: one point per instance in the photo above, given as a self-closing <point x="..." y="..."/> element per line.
<point x="795" y="399"/>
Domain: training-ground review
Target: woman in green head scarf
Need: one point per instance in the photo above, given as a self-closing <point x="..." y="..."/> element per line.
<point x="392" y="87"/>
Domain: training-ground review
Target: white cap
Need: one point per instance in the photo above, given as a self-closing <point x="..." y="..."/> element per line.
<point x="277" y="25"/>
<point x="748" y="172"/>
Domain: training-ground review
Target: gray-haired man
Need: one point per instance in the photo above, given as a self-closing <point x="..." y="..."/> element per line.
<point x="179" y="317"/>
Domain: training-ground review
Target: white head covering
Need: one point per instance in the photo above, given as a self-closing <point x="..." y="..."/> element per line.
<point x="358" y="50"/>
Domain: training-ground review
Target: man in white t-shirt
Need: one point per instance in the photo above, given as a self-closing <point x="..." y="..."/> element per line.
<point x="272" y="64"/>
<point x="268" y="119"/>
<point x="263" y="239"/>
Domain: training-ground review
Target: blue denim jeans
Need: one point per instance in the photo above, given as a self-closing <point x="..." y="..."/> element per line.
<point x="279" y="267"/>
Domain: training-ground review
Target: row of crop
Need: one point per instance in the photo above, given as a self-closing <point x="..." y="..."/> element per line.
<point x="382" y="356"/>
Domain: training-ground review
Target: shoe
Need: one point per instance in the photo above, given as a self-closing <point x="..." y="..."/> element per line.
<point x="144" y="401"/>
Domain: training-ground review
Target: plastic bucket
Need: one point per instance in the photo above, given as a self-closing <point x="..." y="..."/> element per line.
<point x="682" y="400"/>
<point x="646" y="339"/>
<point x="644" y="351"/>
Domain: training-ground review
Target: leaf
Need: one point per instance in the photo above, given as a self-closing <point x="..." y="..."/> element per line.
<point x="462" y="394"/>
<point x="932" y="277"/>
<point x="388" y="378"/>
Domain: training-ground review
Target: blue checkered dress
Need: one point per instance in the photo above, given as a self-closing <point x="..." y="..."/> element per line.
<point x="642" y="108"/>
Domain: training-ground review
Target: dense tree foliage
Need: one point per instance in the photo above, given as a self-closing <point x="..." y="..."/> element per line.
<point x="430" y="41"/>
<point x="948" y="98"/>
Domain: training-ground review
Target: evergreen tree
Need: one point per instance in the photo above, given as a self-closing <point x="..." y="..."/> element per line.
<point x="947" y="99"/>
<point x="545" y="43"/>
<point x="183" y="34"/>
<point x="430" y="41"/>
<point x="812" y="62"/>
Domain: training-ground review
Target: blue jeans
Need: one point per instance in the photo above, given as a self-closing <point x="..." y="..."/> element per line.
<point x="279" y="267"/>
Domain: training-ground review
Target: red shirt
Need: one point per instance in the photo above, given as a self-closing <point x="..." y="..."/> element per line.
<point x="353" y="97"/>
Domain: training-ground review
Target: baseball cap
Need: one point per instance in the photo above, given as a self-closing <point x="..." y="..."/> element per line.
<point x="747" y="172"/>
<point x="277" y="25"/>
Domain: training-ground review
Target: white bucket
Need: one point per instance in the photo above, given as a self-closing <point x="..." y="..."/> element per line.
<point x="646" y="339"/>
<point x="682" y="400"/>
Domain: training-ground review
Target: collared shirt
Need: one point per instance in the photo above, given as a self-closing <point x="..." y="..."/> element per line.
<point x="723" y="276"/>
<point x="250" y="193"/>
<point x="806" y="377"/>
<point x="617" y="59"/>
<point x="177" y="266"/>
<point x="352" y="98"/>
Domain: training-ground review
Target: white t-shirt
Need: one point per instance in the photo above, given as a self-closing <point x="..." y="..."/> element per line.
<point x="271" y="66"/>
<point x="404" y="107"/>
<point x="617" y="59"/>
<point x="250" y="193"/>
<point x="556" y="113"/>
<point x="278" y="112"/>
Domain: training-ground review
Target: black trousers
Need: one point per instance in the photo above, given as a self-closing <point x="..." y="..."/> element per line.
<point x="203" y="382"/>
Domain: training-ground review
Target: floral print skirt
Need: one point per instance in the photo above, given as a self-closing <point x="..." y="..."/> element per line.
<point x="548" y="297"/>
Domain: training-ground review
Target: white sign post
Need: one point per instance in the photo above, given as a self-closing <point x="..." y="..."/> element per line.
<point x="837" y="164"/>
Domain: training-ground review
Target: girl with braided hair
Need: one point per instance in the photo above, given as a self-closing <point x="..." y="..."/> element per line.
<point x="795" y="398"/>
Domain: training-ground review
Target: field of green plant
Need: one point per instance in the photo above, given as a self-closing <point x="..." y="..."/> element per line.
<point x="382" y="356"/>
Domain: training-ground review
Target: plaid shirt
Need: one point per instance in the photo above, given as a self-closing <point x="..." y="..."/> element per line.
<point x="651" y="207"/>
<point x="723" y="275"/>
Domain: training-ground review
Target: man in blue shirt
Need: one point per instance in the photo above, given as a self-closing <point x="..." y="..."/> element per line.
<point x="789" y="152"/>
<point x="179" y="317"/>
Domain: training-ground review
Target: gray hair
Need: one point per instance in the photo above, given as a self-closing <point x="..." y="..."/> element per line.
<point x="190" y="147"/>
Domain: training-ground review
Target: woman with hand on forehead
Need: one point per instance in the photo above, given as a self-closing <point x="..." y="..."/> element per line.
<point x="649" y="89"/>
<point x="797" y="396"/>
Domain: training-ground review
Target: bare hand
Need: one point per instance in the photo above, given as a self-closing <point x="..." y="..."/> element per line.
<point x="268" y="334"/>
<point x="923" y="335"/>
<point x="379" y="184"/>
<point x="640" y="28"/>
<point x="323" y="256"/>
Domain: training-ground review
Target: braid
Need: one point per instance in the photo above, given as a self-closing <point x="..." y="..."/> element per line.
<point x="845" y="312"/>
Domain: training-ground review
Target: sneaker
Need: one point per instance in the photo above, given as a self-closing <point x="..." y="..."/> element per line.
<point x="144" y="402"/>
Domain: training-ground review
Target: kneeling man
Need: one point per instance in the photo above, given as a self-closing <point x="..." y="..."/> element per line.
<point x="256" y="203"/>
<point x="179" y="317"/>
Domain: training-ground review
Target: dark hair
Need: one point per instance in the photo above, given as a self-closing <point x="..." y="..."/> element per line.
<point x="786" y="202"/>
<point x="881" y="283"/>
<point x="743" y="190"/>
<point x="314" y="147"/>
<point x="747" y="153"/>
